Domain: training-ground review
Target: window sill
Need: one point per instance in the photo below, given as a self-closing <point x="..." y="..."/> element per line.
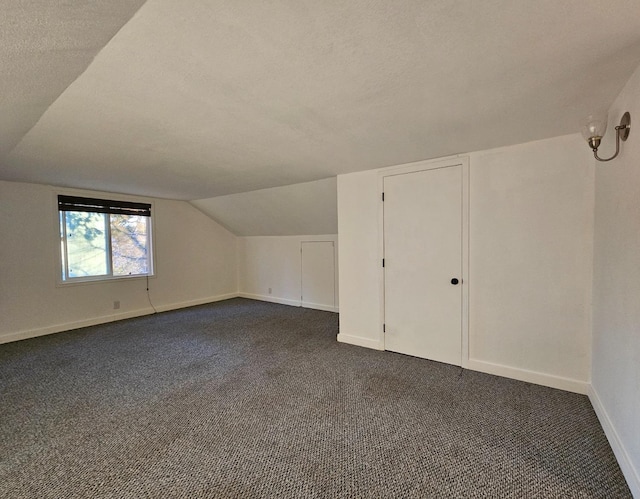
<point x="78" y="281"/>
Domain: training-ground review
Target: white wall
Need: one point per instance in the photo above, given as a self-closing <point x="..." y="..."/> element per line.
<point x="195" y="262"/>
<point x="360" y="261"/>
<point x="616" y="304"/>
<point x="274" y="262"/>
<point x="531" y="209"/>
<point x="531" y="233"/>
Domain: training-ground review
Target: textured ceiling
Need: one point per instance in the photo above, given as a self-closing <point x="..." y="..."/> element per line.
<point x="195" y="99"/>
<point x="301" y="209"/>
<point x="44" y="47"/>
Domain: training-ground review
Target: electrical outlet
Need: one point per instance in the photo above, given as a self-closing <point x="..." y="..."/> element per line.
<point x="269" y="290"/>
<point x="116" y="305"/>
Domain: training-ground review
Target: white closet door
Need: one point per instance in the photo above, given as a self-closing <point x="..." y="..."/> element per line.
<point x="423" y="253"/>
<point x="318" y="275"/>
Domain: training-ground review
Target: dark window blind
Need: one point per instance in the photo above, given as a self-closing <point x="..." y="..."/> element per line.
<point x="93" y="205"/>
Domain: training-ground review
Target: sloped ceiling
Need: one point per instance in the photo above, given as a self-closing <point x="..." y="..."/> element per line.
<point x="195" y="99"/>
<point x="44" y="47"/>
<point x="309" y="208"/>
<point x="202" y="98"/>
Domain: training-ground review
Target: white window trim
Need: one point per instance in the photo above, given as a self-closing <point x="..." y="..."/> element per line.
<point x="75" y="281"/>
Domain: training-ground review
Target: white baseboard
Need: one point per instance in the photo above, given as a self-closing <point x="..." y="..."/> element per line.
<point x="631" y="474"/>
<point x="319" y="306"/>
<point x="104" y="319"/>
<point x="568" y="384"/>
<point x="360" y="341"/>
<point x="271" y="299"/>
<point x="193" y="303"/>
<point x="287" y="301"/>
<point x="68" y="326"/>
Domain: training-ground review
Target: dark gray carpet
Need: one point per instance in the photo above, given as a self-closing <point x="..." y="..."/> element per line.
<point x="249" y="399"/>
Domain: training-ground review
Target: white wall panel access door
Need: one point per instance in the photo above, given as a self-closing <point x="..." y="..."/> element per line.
<point x="423" y="263"/>
<point x="318" y="275"/>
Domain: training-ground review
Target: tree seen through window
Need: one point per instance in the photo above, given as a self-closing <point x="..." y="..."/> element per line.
<point x="104" y="244"/>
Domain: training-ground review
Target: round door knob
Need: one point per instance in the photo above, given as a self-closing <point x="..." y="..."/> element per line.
<point x="454" y="281"/>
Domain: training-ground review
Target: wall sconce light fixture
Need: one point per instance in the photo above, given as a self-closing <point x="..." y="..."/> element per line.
<point x="594" y="128"/>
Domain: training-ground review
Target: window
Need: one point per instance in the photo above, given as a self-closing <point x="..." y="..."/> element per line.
<point x="104" y="239"/>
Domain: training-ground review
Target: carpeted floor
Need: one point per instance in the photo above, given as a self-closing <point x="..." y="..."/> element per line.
<point x="248" y="399"/>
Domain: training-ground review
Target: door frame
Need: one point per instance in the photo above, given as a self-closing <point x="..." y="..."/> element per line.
<point x="463" y="162"/>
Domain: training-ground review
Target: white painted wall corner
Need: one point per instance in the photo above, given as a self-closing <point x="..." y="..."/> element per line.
<point x="631" y="474"/>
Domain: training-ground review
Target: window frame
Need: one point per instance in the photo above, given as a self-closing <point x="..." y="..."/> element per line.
<point x="62" y="277"/>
